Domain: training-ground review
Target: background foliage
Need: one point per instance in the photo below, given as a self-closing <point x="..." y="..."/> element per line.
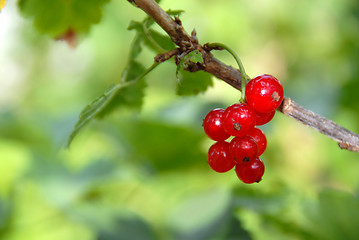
<point x="143" y="174"/>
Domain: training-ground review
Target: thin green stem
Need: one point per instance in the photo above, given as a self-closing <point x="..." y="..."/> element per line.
<point x="148" y="70"/>
<point x="124" y="76"/>
<point x="244" y="76"/>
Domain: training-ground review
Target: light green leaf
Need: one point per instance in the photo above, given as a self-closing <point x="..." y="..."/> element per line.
<point x="57" y="16"/>
<point x="175" y="12"/>
<point x="191" y="58"/>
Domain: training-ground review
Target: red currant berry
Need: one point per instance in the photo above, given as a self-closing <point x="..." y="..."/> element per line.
<point x="243" y="149"/>
<point x="250" y="172"/>
<point x="260" y="139"/>
<point x="264" y="93"/>
<point x="219" y="158"/>
<point x="213" y="125"/>
<point x="238" y="119"/>
<point x="263" y="118"/>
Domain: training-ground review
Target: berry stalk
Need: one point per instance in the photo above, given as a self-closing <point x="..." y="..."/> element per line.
<point x="244" y="76"/>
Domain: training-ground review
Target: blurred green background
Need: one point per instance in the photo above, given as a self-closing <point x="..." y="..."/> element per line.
<point x="143" y="174"/>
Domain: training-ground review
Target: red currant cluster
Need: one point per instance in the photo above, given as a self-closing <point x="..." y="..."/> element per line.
<point x="264" y="94"/>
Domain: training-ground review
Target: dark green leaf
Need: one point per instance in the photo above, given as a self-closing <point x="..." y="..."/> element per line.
<point x="153" y="39"/>
<point x="163" y="41"/>
<point x="94" y="109"/>
<point x="161" y="144"/>
<point x="128" y="93"/>
<point x="193" y="83"/>
<point x="128" y="227"/>
<point x="188" y="60"/>
<point x="235" y="230"/>
<point x="57" y="16"/>
<point x="336" y="216"/>
<point x="130" y="96"/>
<point x="136" y="47"/>
<point x="132" y="71"/>
<point x="156" y="41"/>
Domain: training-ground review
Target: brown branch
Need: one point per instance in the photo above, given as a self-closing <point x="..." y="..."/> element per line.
<point x="345" y="138"/>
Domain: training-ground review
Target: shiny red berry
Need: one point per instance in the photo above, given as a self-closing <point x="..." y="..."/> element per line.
<point x="263" y="118"/>
<point x="250" y="172"/>
<point x="238" y="119"/>
<point x="260" y="139"/>
<point x="219" y="157"/>
<point x="243" y="149"/>
<point x="213" y="125"/>
<point x="264" y="93"/>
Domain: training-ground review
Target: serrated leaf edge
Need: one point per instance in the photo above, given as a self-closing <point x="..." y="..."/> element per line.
<point x="83" y="120"/>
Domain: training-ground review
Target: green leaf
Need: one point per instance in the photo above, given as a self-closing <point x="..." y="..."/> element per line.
<point x="191" y="58"/>
<point x="128" y="93"/>
<point x="46" y="20"/>
<point x="167" y="150"/>
<point x="136" y="47"/>
<point x="156" y="41"/>
<point x="85" y="13"/>
<point x="57" y="16"/>
<point x="132" y="71"/>
<point x="94" y="109"/>
<point x="112" y="98"/>
<point x="193" y="83"/>
<point x="163" y="41"/>
<point x="128" y="226"/>
<point x="235" y="230"/>
<point x="336" y="216"/>
<point x="135" y="25"/>
<point x="130" y="96"/>
<point x="174" y="12"/>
